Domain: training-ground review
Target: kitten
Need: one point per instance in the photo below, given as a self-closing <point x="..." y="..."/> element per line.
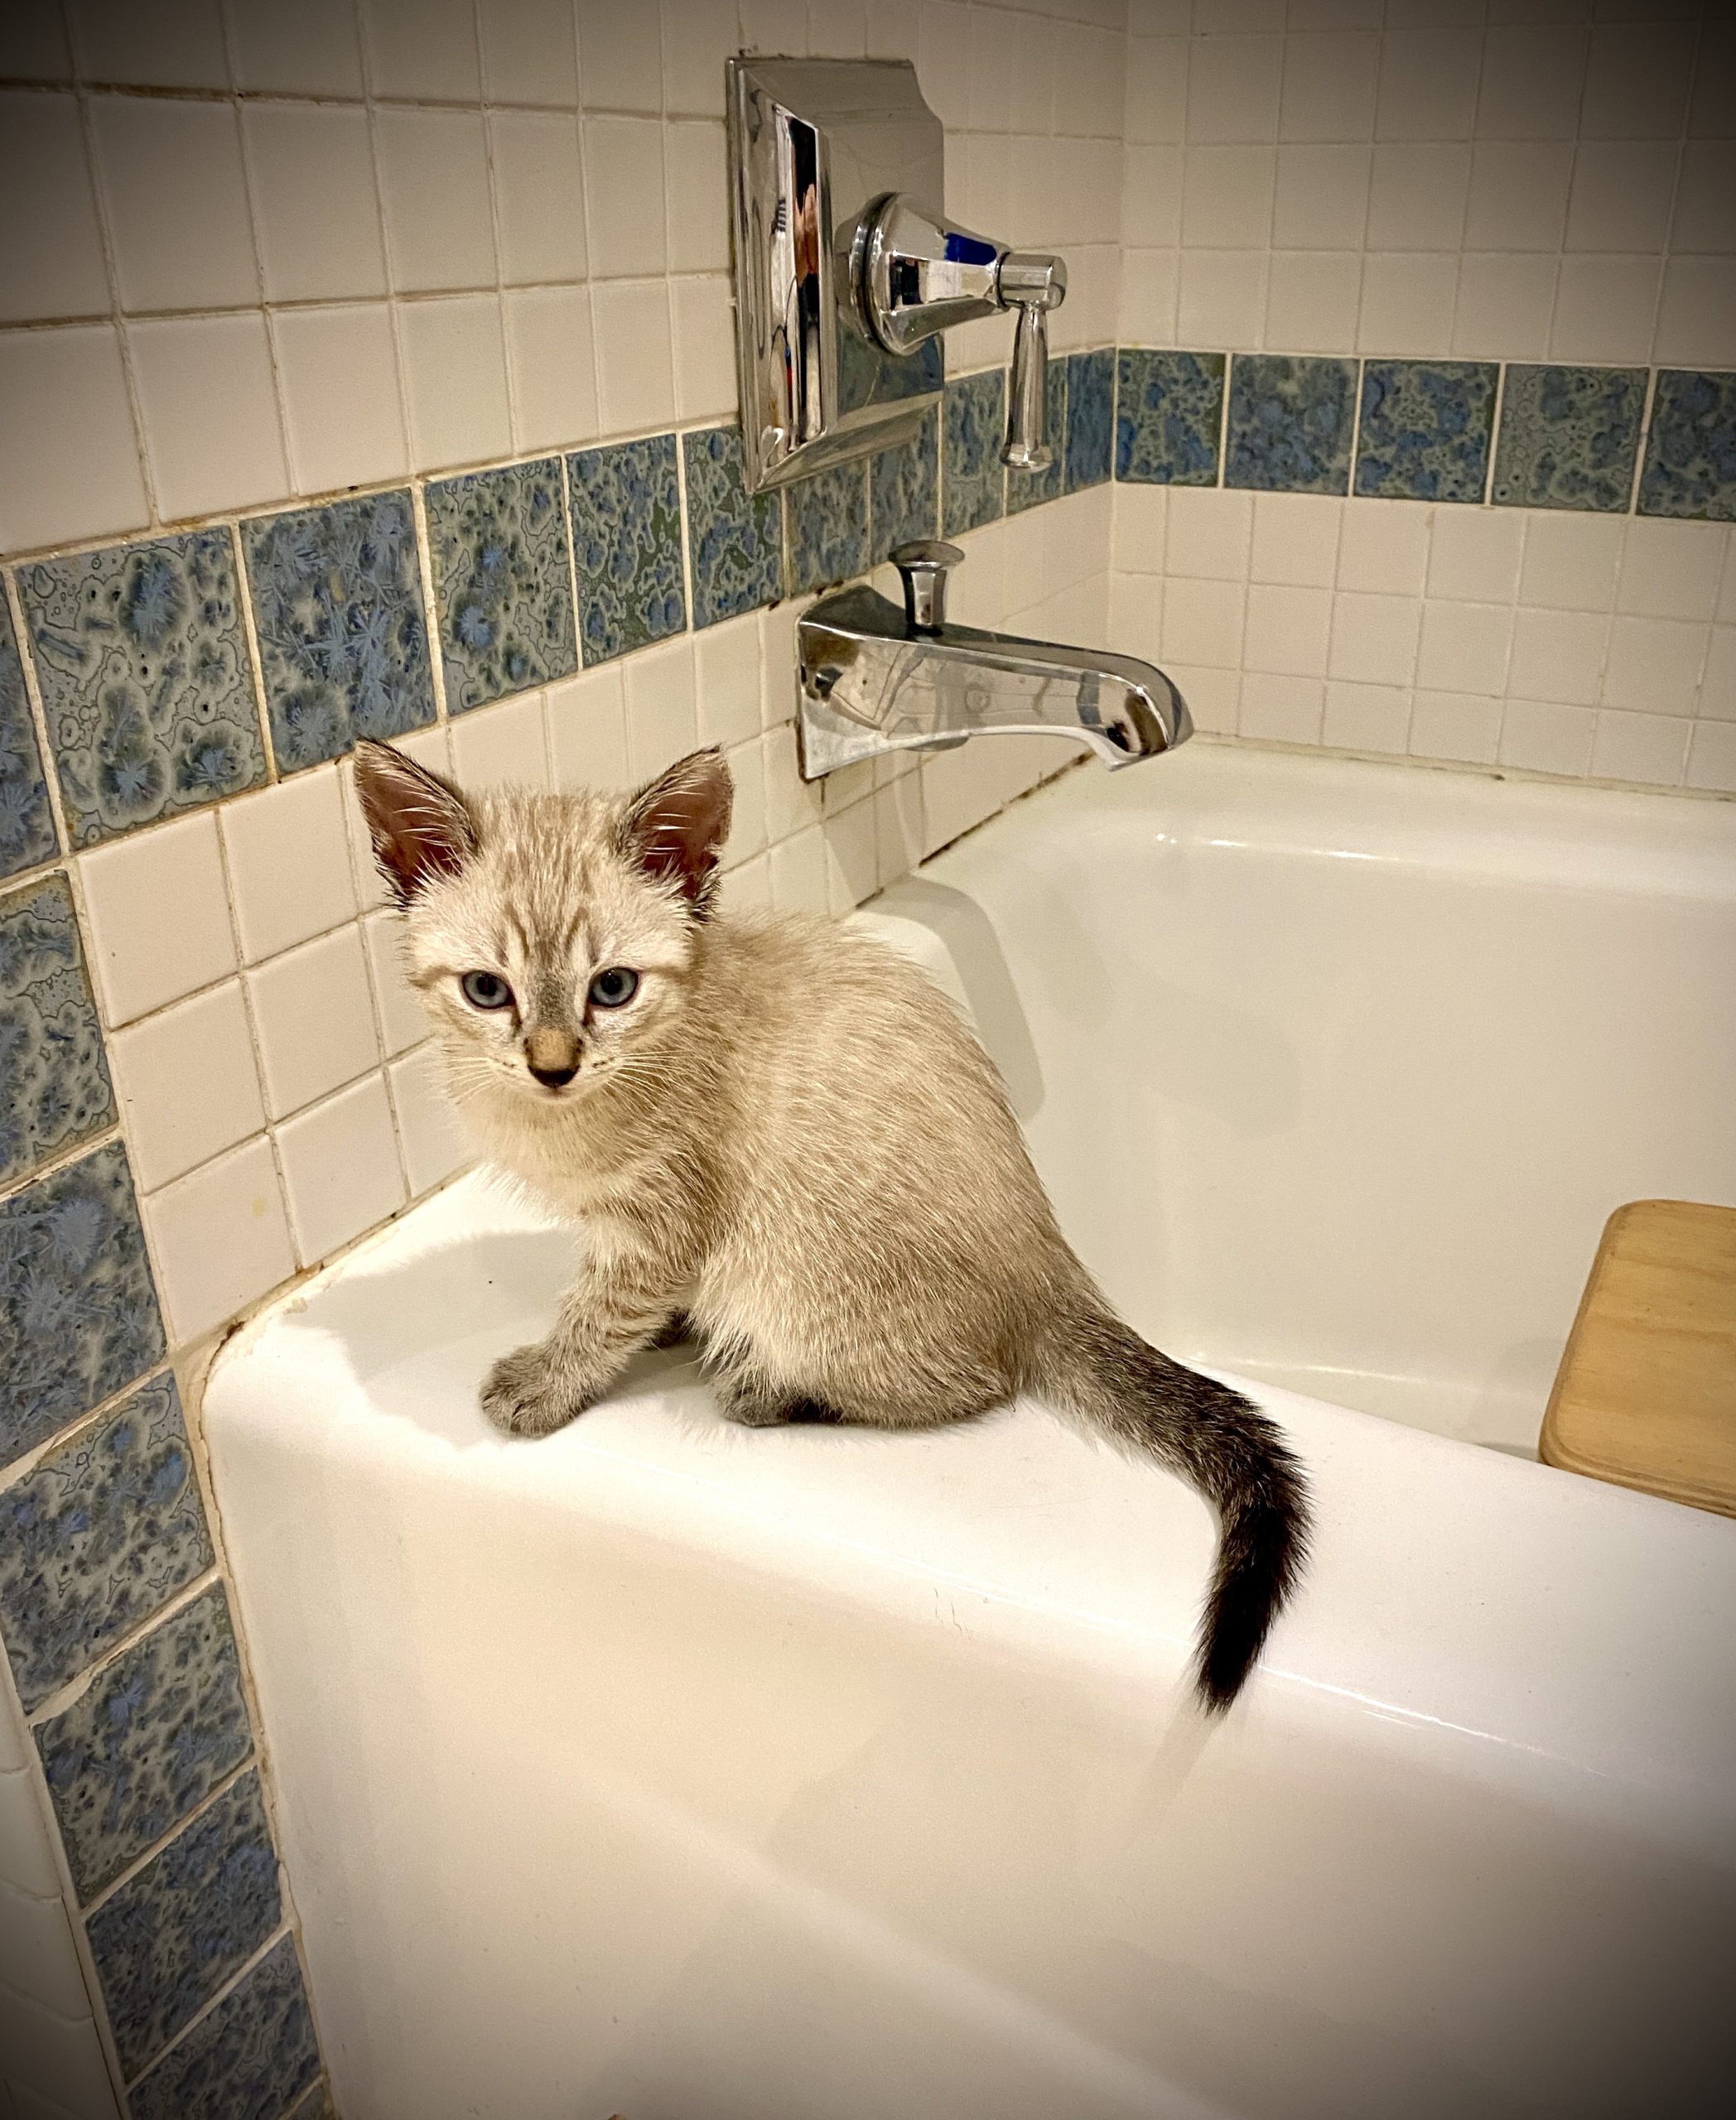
<point x="785" y="1134"/>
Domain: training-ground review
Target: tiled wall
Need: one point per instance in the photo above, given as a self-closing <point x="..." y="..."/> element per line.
<point x="368" y="369"/>
<point x="1459" y="494"/>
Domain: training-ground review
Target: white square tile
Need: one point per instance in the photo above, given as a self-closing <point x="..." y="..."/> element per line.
<point x="1140" y="535"/>
<point x="171" y="174"/>
<point x="698" y="198"/>
<point x="943" y="60"/>
<point x="1288" y="630"/>
<point x="221" y="1239"/>
<point x="1465" y="726"/>
<point x="529" y="53"/>
<point x="340" y="1169"/>
<point x="67" y="439"/>
<point x="1322" y="201"/>
<point x="187" y="1083"/>
<point x="1151" y="185"/>
<point x="1637" y="82"/>
<point x="423" y="48"/>
<point x="174" y="46"/>
<point x="1209" y="533"/>
<point x="50" y="252"/>
<point x="1650" y="749"/>
<point x="899" y="826"/>
<point x="1533" y="74"/>
<point x="1296" y="539"/>
<point x="1464" y="648"/>
<point x="698" y="35"/>
<point x="1329" y="86"/>
<point x="1033" y="41"/>
<point x="1518" y="195"/>
<point x="1416" y="195"/>
<point x="1313" y="301"/>
<point x="1718" y="686"/>
<point x="1606" y="308"/>
<point x="1362" y="717"/>
<point x="746" y="764"/>
<point x="343" y="412"/>
<point x="747" y="887"/>
<point x="1156" y="104"/>
<point x="663" y="714"/>
<point x="454" y="381"/>
<point x="539" y="196"/>
<point x="1654" y="665"/>
<point x="1383" y="546"/>
<point x="1234" y="85"/>
<point x="1221" y="297"/>
<point x="1696" y="320"/>
<point x="1542" y="736"/>
<point x="852" y="856"/>
<point x="1136" y="615"/>
<point x="1570" y="562"/>
<point x="792" y="803"/>
<point x="1203" y="622"/>
<point x="587" y="732"/>
<point x="1374" y="640"/>
<point x="399" y="1011"/>
<point x="207" y="395"/>
<point x="1227" y="197"/>
<point x="1407" y="303"/>
<point x="428" y="1129"/>
<point x="704" y="326"/>
<point x="1428" y="85"/>
<point x="1558" y="655"/>
<point x="1214" y="695"/>
<point x="1704" y="217"/>
<point x="1474" y="555"/>
<point x="1711" y="757"/>
<point x="1712" y="113"/>
<point x="434" y="191"/>
<point x="313" y="1013"/>
<point x="33" y="47"/>
<point x="778" y="661"/>
<point x="726" y="660"/>
<point x="1622" y="194"/>
<point x="1280" y="710"/>
<point x="315" y="205"/>
<point x="1506" y="304"/>
<point x="159" y="917"/>
<point x="1671" y="570"/>
<point x="620" y="58"/>
<point x="288" y="856"/>
<point x="552" y="365"/>
<point x="501" y="746"/>
<point x="635" y="371"/>
<point x="313" y="49"/>
<point x="798" y="869"/>
<point x="623" y="185"/>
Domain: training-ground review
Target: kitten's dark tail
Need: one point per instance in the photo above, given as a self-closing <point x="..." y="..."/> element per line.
<point x="1097" y="1368"/>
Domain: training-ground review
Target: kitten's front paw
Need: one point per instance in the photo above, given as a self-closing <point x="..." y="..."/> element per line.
<point x="525" y="1393"/>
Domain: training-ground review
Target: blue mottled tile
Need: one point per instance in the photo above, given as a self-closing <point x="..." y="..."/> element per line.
<point x="972" y="488"/>
<point x="825" y="527"/>
<point x="1090" y="418"/>
<point x="147" y="1742"/>
<point x="1569" y="437"/>
<point x="316" y="2105"/>
<point x="737" y="537"/>
<point x="250" y="2058"/>
<point x="54" y="1078"/>
<point x="189" y="1921"/>
<point x="26" y="822"/>
<point x="103" y="1531"/>
<point x="146" y="685"/>
<point x="903" y="488"/>
<point x="342" y="637"/>
<point x="78" y="1314"/>
<point x="1169" y="413"/>
<point x="1028" y="488"/>
<point x="1289" y="424"/>
<point x="497" y="542"/>
<point x="1690" y="457"/>
<point x="626" y="541"/>
<point x="1424" y="430"/>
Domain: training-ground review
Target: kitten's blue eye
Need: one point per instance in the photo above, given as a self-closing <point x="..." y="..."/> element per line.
<point x="486" y="990"/>
<point x="613" y="986"/>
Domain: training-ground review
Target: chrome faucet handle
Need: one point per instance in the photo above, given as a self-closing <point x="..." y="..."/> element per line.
<point x="924" y="564"/>
<point x="1034" y="285"/>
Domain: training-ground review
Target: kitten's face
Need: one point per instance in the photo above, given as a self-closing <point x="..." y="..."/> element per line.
<point x="551" y="937"/>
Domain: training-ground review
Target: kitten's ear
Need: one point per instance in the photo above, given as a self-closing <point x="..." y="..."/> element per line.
<point x="421" y="828"/>
<point x="674" y="829"/>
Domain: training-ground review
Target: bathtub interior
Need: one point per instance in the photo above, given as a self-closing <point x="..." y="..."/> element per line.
<point x="1334" y="1071"/>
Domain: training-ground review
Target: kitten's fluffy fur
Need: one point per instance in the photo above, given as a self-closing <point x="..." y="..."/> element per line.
<point x="787" y="1137"/>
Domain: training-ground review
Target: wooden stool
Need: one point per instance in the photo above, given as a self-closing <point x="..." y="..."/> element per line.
<point x="1645" y="1395"/>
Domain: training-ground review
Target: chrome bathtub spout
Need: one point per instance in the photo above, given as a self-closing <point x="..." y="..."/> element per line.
<point x="874" y="678"/>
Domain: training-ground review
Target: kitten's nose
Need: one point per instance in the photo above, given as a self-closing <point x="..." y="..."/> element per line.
<point x="552" y="1057"/>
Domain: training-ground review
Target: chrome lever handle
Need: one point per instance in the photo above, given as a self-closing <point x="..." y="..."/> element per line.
<point x="923" y="565"/>
<point x="1033" y="285"/>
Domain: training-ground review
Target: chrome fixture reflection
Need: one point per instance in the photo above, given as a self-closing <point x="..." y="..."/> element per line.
<point x="876" y="678"/>
<point x="847" y="270"/>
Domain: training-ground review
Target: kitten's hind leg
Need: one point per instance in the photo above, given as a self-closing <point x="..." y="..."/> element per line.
<point x="752" y="1403"/>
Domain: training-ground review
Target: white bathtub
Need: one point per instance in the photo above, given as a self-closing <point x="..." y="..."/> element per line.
<point x="669" y="1770"/>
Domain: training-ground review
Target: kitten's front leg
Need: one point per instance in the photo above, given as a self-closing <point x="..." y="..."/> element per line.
<point x="609" y="1314"/>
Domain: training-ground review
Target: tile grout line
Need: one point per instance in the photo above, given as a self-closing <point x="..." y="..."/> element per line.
<point x="37" y="708"/>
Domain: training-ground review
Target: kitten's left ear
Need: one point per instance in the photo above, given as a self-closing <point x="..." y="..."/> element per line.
<point x="674" y="828"/>
<point x="421" y="825"/>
